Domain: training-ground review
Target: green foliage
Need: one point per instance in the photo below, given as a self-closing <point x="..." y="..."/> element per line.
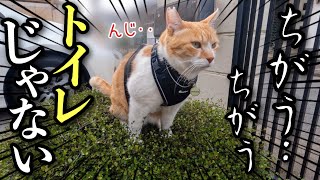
<point x="97" y="146"/>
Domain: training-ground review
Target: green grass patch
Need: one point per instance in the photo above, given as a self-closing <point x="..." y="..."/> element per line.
<point x="96" y="145"/>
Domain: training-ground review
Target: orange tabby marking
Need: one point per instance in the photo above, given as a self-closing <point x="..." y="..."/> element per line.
<point x="147" y="51"/>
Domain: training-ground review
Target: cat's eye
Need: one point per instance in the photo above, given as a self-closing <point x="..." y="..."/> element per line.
<point x="196" y="45"/>
<point x="214" y="45"/>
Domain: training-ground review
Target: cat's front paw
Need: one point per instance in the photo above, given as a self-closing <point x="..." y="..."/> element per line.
<point x="136" y="138"/>
<point x="168" y="133"/>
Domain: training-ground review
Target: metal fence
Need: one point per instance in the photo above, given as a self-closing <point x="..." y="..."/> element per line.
<point x="256" y="42"/>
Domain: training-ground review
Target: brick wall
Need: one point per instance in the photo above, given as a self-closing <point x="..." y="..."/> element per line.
<point x="40" y="7"/>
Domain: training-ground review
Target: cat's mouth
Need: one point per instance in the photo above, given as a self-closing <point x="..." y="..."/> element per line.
<point x="205" y="66"/>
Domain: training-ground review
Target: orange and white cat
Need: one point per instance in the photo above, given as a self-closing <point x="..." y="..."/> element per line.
<point x="189" y="47"/>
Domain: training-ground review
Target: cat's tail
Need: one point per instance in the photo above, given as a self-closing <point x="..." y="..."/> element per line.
<point x="101" y="85"/>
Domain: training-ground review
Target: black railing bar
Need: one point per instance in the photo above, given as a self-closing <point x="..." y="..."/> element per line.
<point x="293" y="85"/>
<point x="300" y="130"/>
<point x="262" y="6"/>
<point x="197" y="7"/>
<point x="302" y="100"/>
<point x="313" y="51"/>
<point x="316" y="153"/>
<point x="279" y="38"/>
<point x="314" y="163"/>
<point x="255" y="49"/>
<point x="288" y="44"/>
<point x="203" y="6"/>
<point x="318" y="87"/>
<point x="243" y="38"/>
<point x="236" y="46"/>
<point x="250" y="38"/>
<point x="266" y="49"/>
<point x="288" y="51"/>
<point x="306" y="95"/>
<point x="302" y="121"/>
<point x="304" y="18"/>
<point x="178" y="6"/>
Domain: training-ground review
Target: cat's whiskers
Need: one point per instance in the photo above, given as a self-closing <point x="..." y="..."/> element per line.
<point x="189" y="72"/>
<point x="182" y="75"/>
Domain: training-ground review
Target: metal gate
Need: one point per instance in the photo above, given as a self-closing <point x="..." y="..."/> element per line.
<point x="257" y="40"/>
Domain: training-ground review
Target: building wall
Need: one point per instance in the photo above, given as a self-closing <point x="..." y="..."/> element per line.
<point x="40" y="7"/>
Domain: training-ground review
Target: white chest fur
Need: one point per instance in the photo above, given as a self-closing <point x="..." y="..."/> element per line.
<point x="145" y="99"/>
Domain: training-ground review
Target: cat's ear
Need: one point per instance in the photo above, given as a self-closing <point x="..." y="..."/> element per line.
<point x="173" y="20"/>
<point x="212" y="18"/>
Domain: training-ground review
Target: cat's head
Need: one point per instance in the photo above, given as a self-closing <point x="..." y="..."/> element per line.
<point x="189" y="45"/>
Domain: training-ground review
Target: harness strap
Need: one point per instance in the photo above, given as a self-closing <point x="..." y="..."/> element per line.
<point x="127" y="71"/>
<point x="167" y="79"/>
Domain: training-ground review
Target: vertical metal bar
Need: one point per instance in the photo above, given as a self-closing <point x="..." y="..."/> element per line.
<point x="250" y="41"/>
<point x="249" y="45"/>
<point x="303" y="107"/>
<point x="194" y="14"/>
<point x="256" y="48"/>
<point x="244" y="44"/>
<point x="178" y="5"/>
<point x="316" y="120"/>
<point x="207" y="8"/>
<point x="265" y="51"/>
<point x="270" y="89"/>
<point x="187" y="3"/>
<point x="293" y="91"/>
<point x="288" y="52"/>
<point x="278" y="45"/>
<point x="236" y="46"/>
<point x="264" y="60"/>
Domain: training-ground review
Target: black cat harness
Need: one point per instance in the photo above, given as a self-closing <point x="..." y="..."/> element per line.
<point x="172" y="90"/>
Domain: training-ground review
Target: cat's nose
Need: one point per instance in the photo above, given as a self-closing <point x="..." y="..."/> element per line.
<point x="210" y="59"/>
